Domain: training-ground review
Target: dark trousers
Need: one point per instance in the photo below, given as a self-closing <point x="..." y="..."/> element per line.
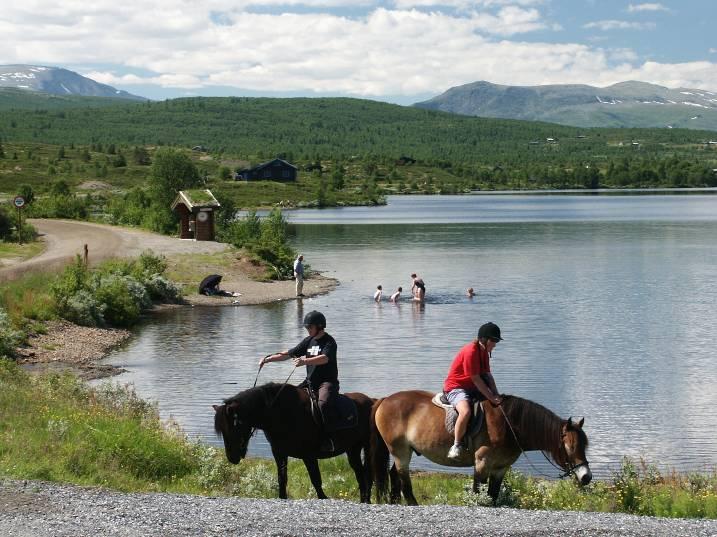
<point x="327" y="394"/>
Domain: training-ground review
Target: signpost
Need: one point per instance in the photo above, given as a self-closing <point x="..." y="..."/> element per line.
<point x="19" y="202"/>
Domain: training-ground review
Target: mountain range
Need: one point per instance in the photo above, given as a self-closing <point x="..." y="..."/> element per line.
<point x="58" y="81"/>
<point x="626" y="104"/>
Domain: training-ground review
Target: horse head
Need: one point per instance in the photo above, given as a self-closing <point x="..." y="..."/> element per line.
<point x="574" y="442"/>
<point x="236" y="432"/>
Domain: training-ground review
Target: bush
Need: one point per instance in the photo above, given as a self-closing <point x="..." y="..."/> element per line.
<point x="266" y="239"/>
<point x="122" y="307"/>
<point x="9" y="337"/>
<point x="6" y="224"/>
<point x="84" y="309"/>
<point x="115" y="293"/>
<point x="160" y="288"/>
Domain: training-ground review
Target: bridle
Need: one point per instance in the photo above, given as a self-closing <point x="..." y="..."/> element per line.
<point x="236" y="421"/>
<point x="570" y="469"/>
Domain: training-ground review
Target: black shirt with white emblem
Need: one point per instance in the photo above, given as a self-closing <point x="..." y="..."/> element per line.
<point x="316" y="374"/>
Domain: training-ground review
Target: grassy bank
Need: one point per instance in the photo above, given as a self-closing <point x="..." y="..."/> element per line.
<point x="114" y="294"/>
<point x="19" y="252"/>
<point x="57" y="428"/>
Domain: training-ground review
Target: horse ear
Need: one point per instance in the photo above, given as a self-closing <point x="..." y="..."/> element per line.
<point x="580" y="423"/>
<point x="216" y="408"/>
<point x="570" y="423"/>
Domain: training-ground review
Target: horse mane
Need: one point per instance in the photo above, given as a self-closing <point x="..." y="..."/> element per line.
<point x="253" y="396"/>
<point x="538" y="427"/>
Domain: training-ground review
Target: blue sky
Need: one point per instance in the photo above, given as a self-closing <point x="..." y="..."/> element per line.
<point x="398" y="50"/>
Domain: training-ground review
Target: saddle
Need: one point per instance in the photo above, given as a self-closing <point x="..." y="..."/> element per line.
<point x="477" y="415"/>
<point x="345" y="409"/>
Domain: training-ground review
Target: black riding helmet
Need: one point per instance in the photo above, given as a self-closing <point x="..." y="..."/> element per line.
<point x="315" y="318"/>
<point x="489" y="331"/>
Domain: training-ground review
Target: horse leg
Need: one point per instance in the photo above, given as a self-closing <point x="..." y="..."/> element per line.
<point x="395" y="485"/>
<point x="480" y="475"/>
<point x="494" y="482"/>
<point x="312" y="466"/>
<point x="354" y="456"/>
<point x="282" y="466"/>
<point x="402" y="461"/>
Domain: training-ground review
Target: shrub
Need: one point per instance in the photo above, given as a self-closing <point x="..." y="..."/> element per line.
<point x="9" y="337"/>
<point x="6" y="224"/>
<point x="160" y="288"/>
<point x="150" y="264"/>
<point x="72" y="280"/>
<point x="266" y="239"/>
<point x="84" y="309"/>
<point x="122" y="307"/>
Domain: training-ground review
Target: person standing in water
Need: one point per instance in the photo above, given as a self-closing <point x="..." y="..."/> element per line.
<point x="397" y="295"/>
<point x="418" y="289"/>
<point x="378" y="295"/>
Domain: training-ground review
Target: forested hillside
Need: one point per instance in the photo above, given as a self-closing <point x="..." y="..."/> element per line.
<point x="351" y="143"/>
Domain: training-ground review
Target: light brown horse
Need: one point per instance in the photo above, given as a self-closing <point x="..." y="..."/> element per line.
<point x="408" y="422"/>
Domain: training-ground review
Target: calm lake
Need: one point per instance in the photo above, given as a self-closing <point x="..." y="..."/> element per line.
<point x="606" y="303"/>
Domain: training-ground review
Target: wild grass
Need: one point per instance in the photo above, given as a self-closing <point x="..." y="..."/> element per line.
<point x="56" y="428"/>
<point x="20" y="252"/>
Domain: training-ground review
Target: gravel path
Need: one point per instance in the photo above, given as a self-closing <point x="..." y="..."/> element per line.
<point x="49" y="510"/>
<point x="66" y="238"/>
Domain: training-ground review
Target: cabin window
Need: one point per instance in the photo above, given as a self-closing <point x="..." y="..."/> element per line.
<point x="267" y="173"/>
<point x="286" y="174"/>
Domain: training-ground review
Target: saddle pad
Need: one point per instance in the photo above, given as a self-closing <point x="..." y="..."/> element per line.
<point x="347" y="413"/>
<point x="474" y="426"/>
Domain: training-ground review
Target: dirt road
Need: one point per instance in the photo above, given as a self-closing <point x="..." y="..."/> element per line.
<point x="65" y="239"/>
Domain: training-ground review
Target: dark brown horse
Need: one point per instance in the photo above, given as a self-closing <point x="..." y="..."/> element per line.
<point x="283" y="413"/>
<point x="408" y="422"/>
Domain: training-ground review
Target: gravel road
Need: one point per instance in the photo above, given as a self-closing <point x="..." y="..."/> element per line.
<point x="36" y="509"/>
<point x="66" y="238"/>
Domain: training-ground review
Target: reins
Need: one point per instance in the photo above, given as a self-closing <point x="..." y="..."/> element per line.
<point x="564" y="473"/>
<point x="254" y="429"/>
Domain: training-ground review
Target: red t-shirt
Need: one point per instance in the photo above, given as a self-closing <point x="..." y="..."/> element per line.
<point x="471" y="360"/>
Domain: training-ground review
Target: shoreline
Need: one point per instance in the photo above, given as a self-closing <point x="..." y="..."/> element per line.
<point x="66" y="346"/>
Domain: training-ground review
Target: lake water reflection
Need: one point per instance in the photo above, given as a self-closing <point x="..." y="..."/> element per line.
<point x="606" y="305"/>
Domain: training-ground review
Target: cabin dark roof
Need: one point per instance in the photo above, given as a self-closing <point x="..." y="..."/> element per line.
<point x="267" y="164"/>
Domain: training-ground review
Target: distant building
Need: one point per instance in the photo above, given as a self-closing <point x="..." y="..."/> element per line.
<point x="274" y="170"/>
<point x="199" y="148"/>
<point x="196" y="210"/>
<point x="405" y="161"/>
<point x="551" y="140"/>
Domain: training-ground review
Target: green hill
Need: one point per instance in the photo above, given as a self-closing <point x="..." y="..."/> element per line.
<point x="627" y="104"/>
<point x="353" y="146"/>
<point x="335" y="128"/>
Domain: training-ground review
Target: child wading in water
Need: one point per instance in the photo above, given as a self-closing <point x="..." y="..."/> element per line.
<point x="395" y="296"/>
<point x="378" y="294"/>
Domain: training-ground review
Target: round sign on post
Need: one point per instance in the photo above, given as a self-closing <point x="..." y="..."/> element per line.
<point x="19" y="202"/>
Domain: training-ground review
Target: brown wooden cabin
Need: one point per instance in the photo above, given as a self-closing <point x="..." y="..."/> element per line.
<point x="196" y="210"/>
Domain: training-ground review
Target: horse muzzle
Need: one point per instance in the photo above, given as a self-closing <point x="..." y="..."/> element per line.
<point x="583" y="474"/>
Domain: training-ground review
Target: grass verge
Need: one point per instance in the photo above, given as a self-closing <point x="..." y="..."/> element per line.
<point x="20" y="252"/>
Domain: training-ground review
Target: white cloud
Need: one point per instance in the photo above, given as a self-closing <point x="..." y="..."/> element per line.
<point x="387" y="51"/>
<point x="713" y="51"/>
<point x="607" y="25"/>
<point x="634" y="8"/>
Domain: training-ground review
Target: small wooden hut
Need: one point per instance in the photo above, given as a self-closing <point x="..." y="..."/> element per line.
<point x="196" y="210"/>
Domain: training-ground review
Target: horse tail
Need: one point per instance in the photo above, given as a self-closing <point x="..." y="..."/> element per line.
<point x="379" y="457"/>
